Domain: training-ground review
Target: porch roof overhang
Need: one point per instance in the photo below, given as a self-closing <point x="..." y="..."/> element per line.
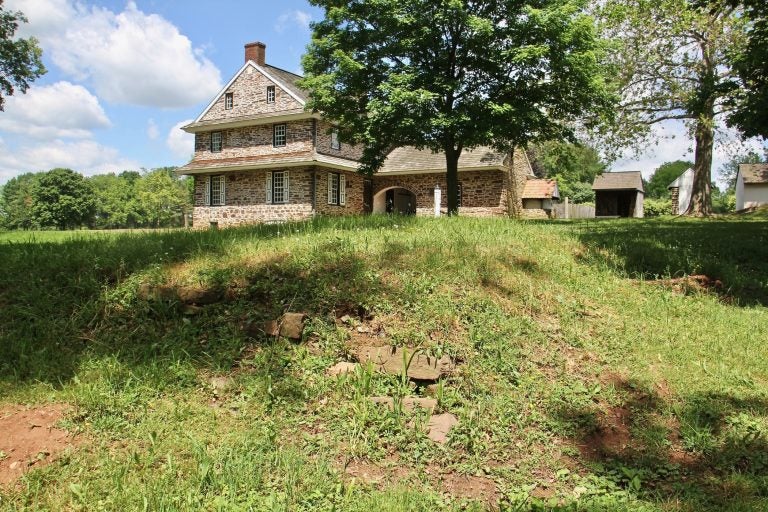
<point x="259" y="163"/>
<point x="242" y="122"/>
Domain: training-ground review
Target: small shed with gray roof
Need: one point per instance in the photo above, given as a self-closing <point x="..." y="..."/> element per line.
<point x="751" y="186"/>
<point x="619" y="194"/>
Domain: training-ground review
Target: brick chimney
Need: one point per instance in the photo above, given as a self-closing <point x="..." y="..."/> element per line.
<point x="256" y="52"/>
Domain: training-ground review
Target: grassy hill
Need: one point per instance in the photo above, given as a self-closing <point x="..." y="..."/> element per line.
<point x="592" y="372"/>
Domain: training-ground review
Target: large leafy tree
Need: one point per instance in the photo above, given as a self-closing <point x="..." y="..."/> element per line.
<point x="62" y="199"/>
<point x="666" y="173"/>
<point x="20" y="59"/>
<point x="751" y="64"/>
<point x="451" y="75"/>
<point x="17" y="199"/>
<point x="163" y="198"/>
<point x="672" y="63"/>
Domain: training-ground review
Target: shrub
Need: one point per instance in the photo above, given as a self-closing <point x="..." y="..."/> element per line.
<point x="657" y="207"/>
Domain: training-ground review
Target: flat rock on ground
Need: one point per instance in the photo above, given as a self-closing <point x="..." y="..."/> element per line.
<point x="439" y="426"/>
<point x="391" y="360"/>
<point x="290" y="325"/>
<point x="29" y="439"/>
<point x="341" y="369"/>
<point x="409" y="403"/>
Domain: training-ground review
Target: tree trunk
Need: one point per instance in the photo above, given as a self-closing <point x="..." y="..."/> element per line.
<point x="452" y="179"/>
<point x="701" y="195"/>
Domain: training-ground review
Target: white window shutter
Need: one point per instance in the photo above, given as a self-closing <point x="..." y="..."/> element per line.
<point x="342" y="190"/>
<point x="330" y="188"/>
<point x="287" y="187"/>
<point x="207" y="191"/>
<point x="223" y="190"/>
<point x="269" y="187"/>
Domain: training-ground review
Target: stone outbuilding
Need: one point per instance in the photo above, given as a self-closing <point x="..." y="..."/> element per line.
<point x="619" y="194"/>
<point x="751" y="186"/>
<point x="539" y="197"/>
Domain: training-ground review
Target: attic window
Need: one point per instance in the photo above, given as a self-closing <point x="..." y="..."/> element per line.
<point x="335" y="143"/>
<point x="229" y="100"/>
<point x="270" y="94"/>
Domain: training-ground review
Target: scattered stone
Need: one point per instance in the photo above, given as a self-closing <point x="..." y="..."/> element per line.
<point x="290" y="325"/>
<point x="222" y="384"/>
<point x="431" y="390"/>
<point x="200" y="295"/>
<point x="191" y="310"/>
<point x="391" y="360"/>
<point x="409" y="403"/>
<point x="157" y="292"/>
<point x="439" y="426"/>
<point x="346" y="319"/>
<point x="341" y="369"/>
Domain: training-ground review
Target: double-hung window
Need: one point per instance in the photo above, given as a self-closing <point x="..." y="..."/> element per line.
<point x="215" y="142"/>
<point x="215" y="191"/>
<point x="229" y="101"/>
<point x="278" y="135"/>
<point x="335" y="143"/>
<point x="270" y="94"/>
<point x="337" y="189"/>
<point x="278" y="191"/>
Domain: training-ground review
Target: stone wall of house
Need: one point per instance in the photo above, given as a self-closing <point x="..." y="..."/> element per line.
<point x="536" y="213"/>
<point x="257" y="141"/>
<point x="249" y="97"/>
<point x="483" y="192"/>
<point x="348" y="151"/>
<point x="246" y="200"/>
<point x="354" y="200"/>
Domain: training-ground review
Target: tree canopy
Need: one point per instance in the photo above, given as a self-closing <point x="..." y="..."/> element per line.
<point x="574" y="166"/>
<point x="673" y="61"/>
<point x="20" y="59"/>
<point x="666" y="173"/>
<point x="453" y="75"/>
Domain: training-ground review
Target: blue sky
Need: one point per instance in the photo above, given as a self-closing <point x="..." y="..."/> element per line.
<point x="123" y="76"/>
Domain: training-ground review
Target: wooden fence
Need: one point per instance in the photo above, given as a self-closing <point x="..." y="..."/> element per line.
<point x="573" y="211"/>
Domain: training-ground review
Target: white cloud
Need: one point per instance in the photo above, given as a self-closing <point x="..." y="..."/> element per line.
<point x="674" y="142"/>
<point x="296" y="17"/>
<point x="181" y="143"/>
<point x="129" y="57"/>
<point x="57" y="110"/>
<point x="86" y="156"/>
<point x="153" y="132"/>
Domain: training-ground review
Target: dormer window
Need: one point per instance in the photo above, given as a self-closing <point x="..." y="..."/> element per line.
<point x="229" y="101"/>
<point x="270" y="94"/>
<point x="335" y="143"/>
<point x="215" y="142"/>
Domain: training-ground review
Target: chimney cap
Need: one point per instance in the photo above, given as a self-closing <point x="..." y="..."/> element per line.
<point x="255" y="43"/>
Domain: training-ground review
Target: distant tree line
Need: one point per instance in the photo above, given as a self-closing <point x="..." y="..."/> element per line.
<point x="65" y="199"/>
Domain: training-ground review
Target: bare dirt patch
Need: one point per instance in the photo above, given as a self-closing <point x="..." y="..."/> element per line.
<point x="30" y="439"/>
<point x="476" y="488"/>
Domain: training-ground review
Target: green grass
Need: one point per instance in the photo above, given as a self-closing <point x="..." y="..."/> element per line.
<point x="580" y="373"/>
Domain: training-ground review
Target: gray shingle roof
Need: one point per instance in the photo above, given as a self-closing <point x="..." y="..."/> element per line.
<point x="630" y="180"/>
<point x="754" y="173"/>
<point x="288" y="80"/>
<point x="412" y="159"/>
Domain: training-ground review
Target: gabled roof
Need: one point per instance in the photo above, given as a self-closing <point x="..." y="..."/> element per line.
<point x="679" y="180"/>
<point x="283" y="79"/>
<point x="629" y="180"/>
<point x="541" y="189"/>
<point x="754" y="173"/>
<point x="409" y="159"/>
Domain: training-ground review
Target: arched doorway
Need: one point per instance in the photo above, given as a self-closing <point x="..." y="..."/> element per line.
<point x="395" y="200"/>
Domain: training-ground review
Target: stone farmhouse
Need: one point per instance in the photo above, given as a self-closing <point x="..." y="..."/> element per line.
<point x="260" y="156"/>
